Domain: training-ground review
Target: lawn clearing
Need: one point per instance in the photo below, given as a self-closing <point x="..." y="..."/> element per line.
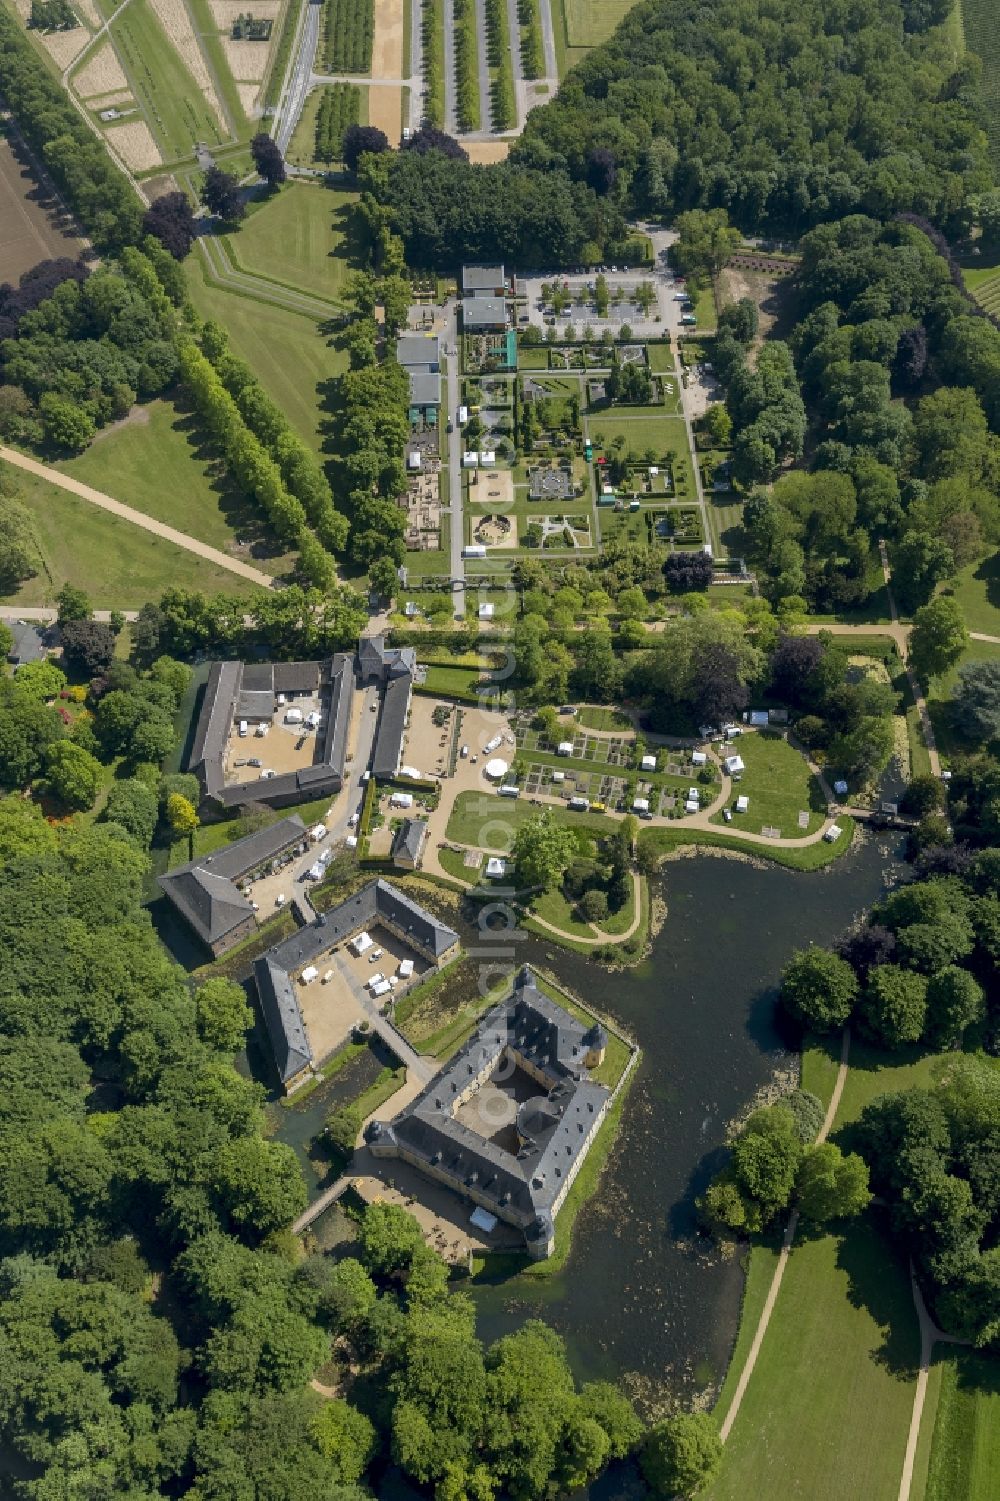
<point x="599" y="717"/>
<point x="779" y="785"/>
<point x="977" y="590"/>
<point x="664" y="842"/>
<point x="591" y="22"/>
<point x="286" y="349"/>
<point x="827" y="1412"/>
<point x="121" y="566"/>
<point x="660" y="358"/>
<point x="159" y="463"/>
<point x="478" y="814"/>
<point x="306" y="237"/>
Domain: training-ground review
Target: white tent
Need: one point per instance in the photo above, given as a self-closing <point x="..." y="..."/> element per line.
<point x="492" y="744"/>
<point x="496" y="866"/>
<point x="496" y="769"/>
<point x="309" y="974"/>
<point x="351" y="841"/>
<point x="382" y="988"/>
<point x="833" y="833"/>
<point x="405" y="969"/>
<point x="692" y="805"/>
<point x="693" y="793"/>
<point x="640" y="805"/>
<point x="401" y="800"/>
<point x="742" y="804"/>
<point x="558" y="776"/>
<point x="734" y="765"/>
<point x="699" y="758"/>
<point x="564" y="748"/>
<point x="411" y="772"/>
<point x="360" y="944"/>
<point x="317" y="833"/>
<point x="315" y="872"/>
<point x="648" y="763"/>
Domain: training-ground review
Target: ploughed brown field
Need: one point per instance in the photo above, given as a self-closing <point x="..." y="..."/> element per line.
<point x="33" y="226"/>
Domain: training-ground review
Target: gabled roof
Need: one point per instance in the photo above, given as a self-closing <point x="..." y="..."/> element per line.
<point x="410" y="838"/>
<point x="282" y="1017"/>
<point x="553" y="1128"/>
<point x="391" y="727"/>
<point x="204" y="891"/>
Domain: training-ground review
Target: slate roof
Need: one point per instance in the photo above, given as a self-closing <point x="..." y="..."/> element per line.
<point x="238" y="690"/>
<point x="553" y="1128"/>
<point x="391" y="728"/>
<point x="375" y="659"/>
<point x="204" y="892"/>
<point x="272" y="972"/>
<point x="28" y="644"/>
<point x="410" y="838"/>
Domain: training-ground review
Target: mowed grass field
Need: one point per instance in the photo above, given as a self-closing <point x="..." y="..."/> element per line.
<point x="582" y="24"/>
<point x="173" y="104"/>
<point x="779" y="785"/>
<point x="308" y="237"/>
<point x="120" y="565"/>
<point x="290" y="355"/>
<point x="965" y="1448"/>
<point x="977" y="590"/>
<point x="827" y="1411"/>
<point x="160" y="463"/>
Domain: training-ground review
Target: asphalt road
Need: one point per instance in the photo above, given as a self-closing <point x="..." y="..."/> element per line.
<point x="300" y="80"/>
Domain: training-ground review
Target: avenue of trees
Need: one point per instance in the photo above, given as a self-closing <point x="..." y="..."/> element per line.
<point x="785" y="114"/>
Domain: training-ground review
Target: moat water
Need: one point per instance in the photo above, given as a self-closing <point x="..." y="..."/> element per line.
<point x="643" y="1298"/>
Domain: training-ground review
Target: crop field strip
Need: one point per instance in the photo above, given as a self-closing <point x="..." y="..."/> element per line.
<point x="211" y="44"/>
<point x="982" y="36"/>
<point x="987" y="293"/>
<point x="173" y="104"/>
<point x="432" y="32"/>
<point x="349" y="35"/>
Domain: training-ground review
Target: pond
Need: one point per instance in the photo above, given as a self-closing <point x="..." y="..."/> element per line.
<point x="644" y="1299"/>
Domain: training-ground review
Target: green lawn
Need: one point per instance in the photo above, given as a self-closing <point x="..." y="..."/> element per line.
<point x="659" y="432"/>
<point x="661" y="359"/>
<point x="159" y="463"/>
<point x="600" y="717"/>
<point x="977" y="590"/>
<point x="286" y="349"/>
<point x="479" y="813"/>
<point x="827" y="1412"/>
<point x="779" y="785"/>
<point x="591" y="22"/>
<point x="308" y="237"/>
<point x="121" y="566"/>
<point x="965" y="1448"/>
<point x="664" y="841"/>
<point x="171" y="100"/>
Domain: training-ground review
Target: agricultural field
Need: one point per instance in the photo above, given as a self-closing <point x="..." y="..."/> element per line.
<point x="287" y="349"/>
<point x="307" y="237"/>
<point x="33" y="225"/>
<point x="979" y="20"/>
<point x="984" y="284"/>
<point x="120" y="565"/>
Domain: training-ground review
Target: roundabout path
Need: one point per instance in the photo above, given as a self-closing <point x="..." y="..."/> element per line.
<point x="137" y="518"/>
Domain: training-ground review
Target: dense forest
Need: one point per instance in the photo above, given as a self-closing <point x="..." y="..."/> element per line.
<point x="784" y="112"/>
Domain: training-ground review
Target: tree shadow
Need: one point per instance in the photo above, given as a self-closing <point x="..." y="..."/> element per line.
<point x="349" y="224"/>
<point x="879" y="1282"/>
<point x="988" y="573"/>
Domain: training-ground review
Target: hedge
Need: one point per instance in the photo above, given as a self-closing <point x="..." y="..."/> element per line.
<point x="433" y="36"/>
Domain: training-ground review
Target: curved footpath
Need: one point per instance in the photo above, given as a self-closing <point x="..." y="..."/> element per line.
<point x="137" y="518"/>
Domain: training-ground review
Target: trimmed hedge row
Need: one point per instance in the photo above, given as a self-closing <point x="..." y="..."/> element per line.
<point x="350" y="32"/>
<point x="503" y="104"/>
<point x="432" y="28"/>
<point x="466" y="65"/>
<point x="339" y="107"/>
<point x="532" y="54"/>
